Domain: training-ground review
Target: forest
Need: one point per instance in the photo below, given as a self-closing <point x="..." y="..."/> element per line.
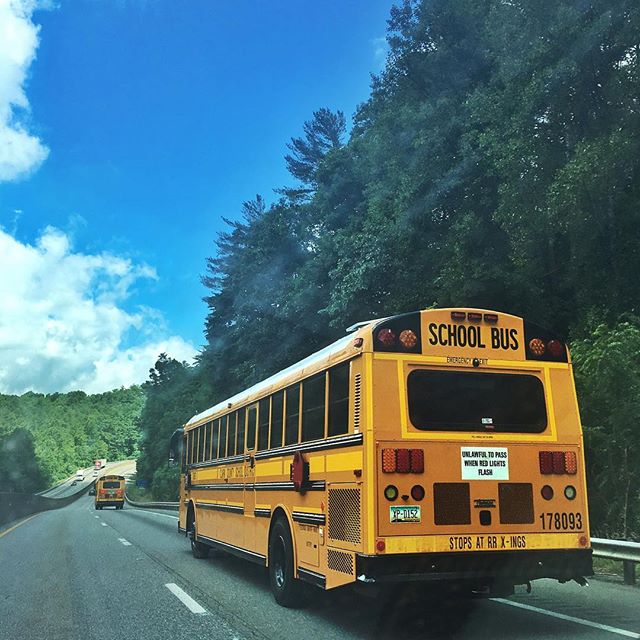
<point x="45" y="438"/>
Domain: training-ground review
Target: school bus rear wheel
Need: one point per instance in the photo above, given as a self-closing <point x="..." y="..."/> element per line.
<point x="198" y="549"/>
<point x="286" y="589"/>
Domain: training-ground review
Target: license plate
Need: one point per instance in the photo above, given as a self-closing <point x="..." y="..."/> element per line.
<point x="404" y="514"/>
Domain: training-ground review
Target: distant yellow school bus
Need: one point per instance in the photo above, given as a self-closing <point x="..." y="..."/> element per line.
<point x="110" y="492"/>
<point x="441" y="446"/>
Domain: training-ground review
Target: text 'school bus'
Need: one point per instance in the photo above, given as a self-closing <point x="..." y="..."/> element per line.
<point x="442" y="446"/>
<point x="110" y="492"/>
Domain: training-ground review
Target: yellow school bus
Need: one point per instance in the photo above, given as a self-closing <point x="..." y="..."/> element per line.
<point x="110" y="491"/>
<point x="441" y="446"/>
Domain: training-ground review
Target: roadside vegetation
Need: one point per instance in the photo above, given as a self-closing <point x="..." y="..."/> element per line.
<point x="495" y="164"/>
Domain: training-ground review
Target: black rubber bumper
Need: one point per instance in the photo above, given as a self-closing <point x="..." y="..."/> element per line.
<point x="515" y="567"/>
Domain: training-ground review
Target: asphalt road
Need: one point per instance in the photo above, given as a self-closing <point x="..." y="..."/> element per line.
<point x="67" y="488"/>
<point x="79" y="573"/>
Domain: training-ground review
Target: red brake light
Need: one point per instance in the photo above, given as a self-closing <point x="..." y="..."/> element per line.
<point x="403" y="460"/>
<point x="558" y="461"/>
<point x="386" y="337"/>
<point x="546" y="462"/>
<point x="417" y="460"/>
<point x="554" y="347"/>
<point x="417" y="492"/>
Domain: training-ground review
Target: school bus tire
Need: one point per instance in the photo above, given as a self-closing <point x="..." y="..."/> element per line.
<point x="199" y="550"/>
<point x="287" y="590"/>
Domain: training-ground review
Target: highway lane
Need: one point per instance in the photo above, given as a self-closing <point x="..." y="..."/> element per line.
<point x="67" y="488"/>
<point x="69" y="571"/>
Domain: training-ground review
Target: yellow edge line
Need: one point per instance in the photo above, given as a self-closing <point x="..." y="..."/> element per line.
<point x="15" y="526"/>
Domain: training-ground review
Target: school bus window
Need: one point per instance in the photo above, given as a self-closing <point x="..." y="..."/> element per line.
<point x="313" y="402"/>
<point x="215" y="438"/>
<point x="201" y="438"/>
<point x="263" y="424"/>
<point x="232" y="434"/>
<point x="252" y="416"/>
<point x="292" y="414"/>
<point x="277" y="401"/>
<point x="223" y="437"/>
<point x="240" y="419"/>
<point x="498" y="402"/>
<point x="338" y="421"/>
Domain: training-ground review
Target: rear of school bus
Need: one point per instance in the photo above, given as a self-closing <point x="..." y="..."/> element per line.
<point x="478" y="456"/>
<point x="110" y="492"/>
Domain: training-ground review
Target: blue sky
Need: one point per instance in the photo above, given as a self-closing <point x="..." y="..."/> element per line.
<point x="149" y="122"/>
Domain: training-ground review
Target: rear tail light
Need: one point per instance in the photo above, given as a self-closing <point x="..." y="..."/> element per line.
<point x="546" y="462"/>
<point x="417" y="460"/>
<point x="558" y="462"/>
<point x="570" y="462"/>
<point x="389" y="460"/>
<point x="403" y="461"/>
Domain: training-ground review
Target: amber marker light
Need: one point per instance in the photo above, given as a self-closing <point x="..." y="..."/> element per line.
<point x="536" y="346"/>
<point x="408" y="339"/>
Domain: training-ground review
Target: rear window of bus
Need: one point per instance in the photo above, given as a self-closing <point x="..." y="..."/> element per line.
<point x="474" y="401"/>
<point x="111" y="484"/>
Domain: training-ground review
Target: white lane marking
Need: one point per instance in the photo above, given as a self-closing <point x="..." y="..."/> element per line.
<point x="185" y="598"/>
<point x="126" y="543"/>
<point x="104" y="524"/>
<point x="562" y="616"/>
<point x="97" y="517"/>
<point x="153" y="513"/>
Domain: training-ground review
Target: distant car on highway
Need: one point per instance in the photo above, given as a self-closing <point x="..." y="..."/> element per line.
<point x="92" y="491"/>
<point x="95" y="473"/>
<point x="74" y="483"/>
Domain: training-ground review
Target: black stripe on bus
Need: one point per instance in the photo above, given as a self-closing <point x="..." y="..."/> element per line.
<point x="218" y="462"/>
<point x="242" y="553"/>
<point x="317" y="445"/>
<point x="306" y="517"/>
<point x="220" y="485"/>
<point x="262" y="513"/>
<point x="312" y="577"/>
<point x="314" y="485"/>
<point x="229" y="508"/>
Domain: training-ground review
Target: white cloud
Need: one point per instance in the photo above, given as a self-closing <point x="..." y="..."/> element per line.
<point x="20" y="150"/>
<point x="63" y="321"/>
<point x="380" y="51"/>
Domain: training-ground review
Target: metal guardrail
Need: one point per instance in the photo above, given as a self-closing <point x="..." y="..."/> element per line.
<point x="628" y="552"/>
<point x="167" y="506"/>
